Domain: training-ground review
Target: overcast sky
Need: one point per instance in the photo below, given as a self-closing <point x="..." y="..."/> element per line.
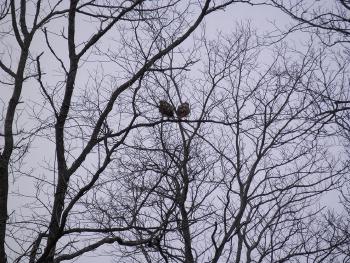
<point x="261" y="18"/>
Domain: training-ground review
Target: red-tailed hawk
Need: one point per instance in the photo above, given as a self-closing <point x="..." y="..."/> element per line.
<point x="183" y="110"/>
<point x="166" y="109"/>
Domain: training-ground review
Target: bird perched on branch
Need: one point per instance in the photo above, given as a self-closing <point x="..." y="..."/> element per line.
<point x="166" y="109"/>
<point x="183" y="110"/>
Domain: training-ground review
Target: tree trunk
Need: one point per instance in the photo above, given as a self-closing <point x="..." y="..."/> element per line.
<point x="3" y="206"/>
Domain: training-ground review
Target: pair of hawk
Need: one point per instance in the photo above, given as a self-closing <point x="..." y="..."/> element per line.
<point x="166" y="109"/>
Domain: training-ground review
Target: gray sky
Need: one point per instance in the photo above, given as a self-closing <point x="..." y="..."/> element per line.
<point x="223" y="21"/>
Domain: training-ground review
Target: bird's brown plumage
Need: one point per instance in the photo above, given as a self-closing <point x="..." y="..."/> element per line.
<point x="166" y="109"/>
<point x="183" y="110"/>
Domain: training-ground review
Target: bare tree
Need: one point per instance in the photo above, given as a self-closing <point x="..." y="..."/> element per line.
<point x="142" y="32"/>
<point x="329" y="22"/>
<point x="235" y="175"/>
<point x="239" y="180"/>
<point x="15" y="23"/>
